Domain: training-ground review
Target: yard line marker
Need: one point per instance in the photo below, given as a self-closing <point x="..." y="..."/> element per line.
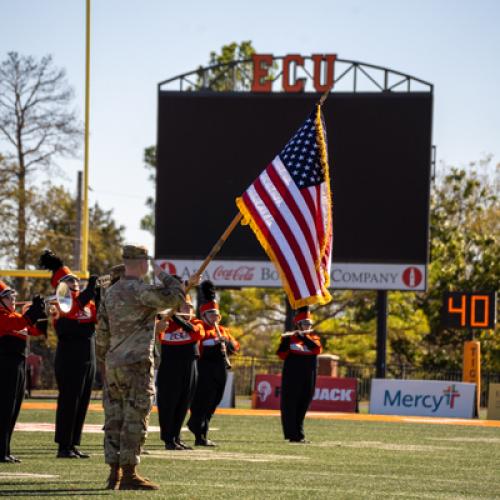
<point x="32" y="405"/>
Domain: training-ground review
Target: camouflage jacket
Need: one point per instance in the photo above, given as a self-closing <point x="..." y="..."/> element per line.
<point x="126" y="318"/>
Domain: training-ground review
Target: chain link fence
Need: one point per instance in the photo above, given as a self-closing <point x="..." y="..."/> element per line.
<point x="245" y="368"/>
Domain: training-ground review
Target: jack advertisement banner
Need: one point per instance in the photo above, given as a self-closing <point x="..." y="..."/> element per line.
<point x="331" y="394"/>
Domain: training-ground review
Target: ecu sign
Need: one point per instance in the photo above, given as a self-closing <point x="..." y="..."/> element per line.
<point x="322" y="71"/>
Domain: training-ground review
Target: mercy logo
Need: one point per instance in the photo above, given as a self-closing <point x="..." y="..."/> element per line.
<point x="429" y="401"/>
<point x="450" y="394"/>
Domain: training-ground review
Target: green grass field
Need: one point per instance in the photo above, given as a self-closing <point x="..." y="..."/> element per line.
<point x="345" y="459"/>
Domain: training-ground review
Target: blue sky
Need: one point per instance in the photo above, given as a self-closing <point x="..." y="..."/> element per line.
<point x="135" y="44"/>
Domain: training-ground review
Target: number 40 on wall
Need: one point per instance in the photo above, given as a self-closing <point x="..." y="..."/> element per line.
<point x="469" y="310"/>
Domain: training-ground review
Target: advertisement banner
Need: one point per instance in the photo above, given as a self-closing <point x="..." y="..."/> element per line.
<point x="343" y="276"/>
<point x="494" y="402"/>
<point x="429" y="398"/>
<point x="378" y="276"/>
<point x="228" y="398"/>
<point x="472" y="368"/>
<point x="331" y="394"/>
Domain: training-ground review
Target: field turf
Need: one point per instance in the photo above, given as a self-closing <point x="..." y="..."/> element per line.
<point x="345" y="459"/>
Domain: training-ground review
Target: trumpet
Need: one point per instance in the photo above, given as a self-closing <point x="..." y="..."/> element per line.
<point x="290" y="334"/>
<point x="62" y="299"/>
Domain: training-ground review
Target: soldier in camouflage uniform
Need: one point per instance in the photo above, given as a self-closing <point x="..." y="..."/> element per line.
<point x="125" y="343"/>
<point x="115" y="273"/>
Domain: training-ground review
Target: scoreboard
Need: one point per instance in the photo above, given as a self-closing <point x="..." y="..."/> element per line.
<point x="469" y="310"/>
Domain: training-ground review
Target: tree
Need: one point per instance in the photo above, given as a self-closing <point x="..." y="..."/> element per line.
<point x="465" y="215"/>
<point x="35" y="127"/>
<point x="227" y="74"/>
<point x="4" y="193"/>
<point x="51" y="211"/>
<point x="256" y="317"/>
<point x="148" y="221"/>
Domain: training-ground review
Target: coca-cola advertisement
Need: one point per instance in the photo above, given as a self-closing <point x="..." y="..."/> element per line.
<point x="331" y="393"/>
<point x="226" y="273"/>
<point x="240" y="274"/>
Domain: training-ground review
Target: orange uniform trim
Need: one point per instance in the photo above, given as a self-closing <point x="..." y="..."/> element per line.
<point x="11" y="323"/>
<point x="182" y="337"/>
<point x="211" y="335"/>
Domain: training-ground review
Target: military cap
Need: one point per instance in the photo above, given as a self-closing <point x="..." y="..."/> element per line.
<point x="135" y="252"/>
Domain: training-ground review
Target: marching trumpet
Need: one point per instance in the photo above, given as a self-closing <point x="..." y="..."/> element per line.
<point x="62" y="299"/>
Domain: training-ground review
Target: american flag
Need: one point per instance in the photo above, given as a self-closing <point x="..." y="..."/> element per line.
<point x="289" y="209"/>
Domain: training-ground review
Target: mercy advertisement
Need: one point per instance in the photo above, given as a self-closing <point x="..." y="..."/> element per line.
<point x="428" y="398"/>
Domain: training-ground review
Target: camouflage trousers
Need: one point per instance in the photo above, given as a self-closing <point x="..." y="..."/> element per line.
<point x="127" y="405"/>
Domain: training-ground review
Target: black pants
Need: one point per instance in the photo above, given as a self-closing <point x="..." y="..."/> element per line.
<point x="297" y="390"/>
<point x="212" y="376"/>
<point x="12" y="377"/>
<point x="75" y="371"/>
<point x="176" y="382"/>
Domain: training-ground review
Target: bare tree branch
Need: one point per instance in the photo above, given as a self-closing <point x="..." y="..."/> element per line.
<point x="36" y="127"/>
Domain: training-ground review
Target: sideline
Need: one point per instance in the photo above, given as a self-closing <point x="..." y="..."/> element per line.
<point x="31" y="405"/>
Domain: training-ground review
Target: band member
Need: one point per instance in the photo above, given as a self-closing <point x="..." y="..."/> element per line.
<point x="299" y="350"/>
<point x="74" y="364"/>
<point x="14" y="331"/>
<point x="178" y="372"/>
<point x="216" y="346"/>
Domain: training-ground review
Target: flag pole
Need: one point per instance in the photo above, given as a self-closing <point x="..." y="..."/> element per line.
<point x="215" y="250"/>
<point x="84" y="252"/>
<point x="325" y="95"/>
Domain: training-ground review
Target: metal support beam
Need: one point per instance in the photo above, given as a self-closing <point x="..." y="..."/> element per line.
<point x="381" y="333"/>
<point x="289" y="326"/>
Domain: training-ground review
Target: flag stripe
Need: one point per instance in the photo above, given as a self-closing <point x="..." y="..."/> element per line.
<point x="291" y="202"/>
<point x="283" y="225"/>
<point x="290" y="220"/>
<point x="297" y="195"/>
<point x="306" y="194"/>
<point x="316" y="195"/>
<point x="289" y="209"/>
<point x="294" y="216"/>
<point x="281" y="241"/>
<point x="281" y="261"/>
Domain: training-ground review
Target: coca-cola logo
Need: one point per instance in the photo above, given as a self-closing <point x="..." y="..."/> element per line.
<point x="241" y="273"/>
<point x="412" y="277"/>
